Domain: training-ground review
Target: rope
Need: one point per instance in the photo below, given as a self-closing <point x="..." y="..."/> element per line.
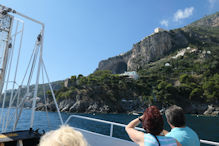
<point x="15" y="75"/>
<point x="12" y="51"/>
<point x="5" y="67"/>
<point x="16" y="111"/>
<point x="21" y="105"/>
<point x="53" y="95"/>
<point x="45" y="103"/>
<point x="16" y="70"/>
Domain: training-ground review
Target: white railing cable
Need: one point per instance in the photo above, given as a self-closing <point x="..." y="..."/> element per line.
<point x="21" y="105"/>
<point x="101" y="121"/>
<point x="18" y="56"/>
<point x="123" y="125"/>
<point x="16" y="69"/>
<point x="16" y="111"/>
<point x="5" y="53"/>
<point x="5" y="66"/>
<point x="44" y="96"/>
<point x="31" y="58"/>
<point x="209" y="142"/>
<point x="53" y="95"/>
<point x="8" y="75"/>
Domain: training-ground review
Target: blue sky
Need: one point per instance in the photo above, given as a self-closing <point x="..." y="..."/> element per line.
<point x="80" y="33"/>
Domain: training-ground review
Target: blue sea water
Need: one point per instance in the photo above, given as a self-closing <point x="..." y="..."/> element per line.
<point x="207" y="127"/>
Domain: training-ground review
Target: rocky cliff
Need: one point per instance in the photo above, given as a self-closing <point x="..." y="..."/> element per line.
<point x="150" y="49"/>
<point x="190" y="78"/>
<point x="155" y="47"/>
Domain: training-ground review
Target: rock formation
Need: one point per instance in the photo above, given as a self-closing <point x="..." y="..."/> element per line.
<point x="156" y="46"/>
<point x="149" y="49"/>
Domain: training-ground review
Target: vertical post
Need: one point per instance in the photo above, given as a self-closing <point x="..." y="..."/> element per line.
<point x="37" y="80"/>
<point x="5" y="60"/>
<point x="111" y="130"/>
<point x="4" y="70"/>
<point x="12" y="92"/>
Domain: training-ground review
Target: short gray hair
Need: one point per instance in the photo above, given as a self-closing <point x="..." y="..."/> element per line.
<point x="64" y="136"/>
<point x="175" y="116"/>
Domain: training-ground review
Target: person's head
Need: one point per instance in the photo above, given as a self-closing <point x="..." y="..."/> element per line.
<point x="64" y="136"/>
<point x="175" y="116"/>
<point x="152" y="120"/>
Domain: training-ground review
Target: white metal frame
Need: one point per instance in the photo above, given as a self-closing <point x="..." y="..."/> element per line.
<point x="37" y="54"/>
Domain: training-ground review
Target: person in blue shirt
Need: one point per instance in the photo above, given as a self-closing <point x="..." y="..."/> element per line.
<point x="182" y="133"/>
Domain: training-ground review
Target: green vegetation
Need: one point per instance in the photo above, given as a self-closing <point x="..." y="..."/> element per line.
<point x="192" y="77"/>
<point x="104" y="87"/>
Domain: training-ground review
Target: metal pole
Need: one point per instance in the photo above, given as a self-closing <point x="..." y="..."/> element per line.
<point x="209" y="142"/>
<point x="37" y="80"/>
<point x="111" y="130"/>
<point x="12" y="92"/>
<point x="22" y="15"/>
<point x="5" y="66"/>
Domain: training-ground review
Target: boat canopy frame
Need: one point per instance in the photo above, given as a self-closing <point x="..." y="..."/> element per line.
<point x="36" y="61"/>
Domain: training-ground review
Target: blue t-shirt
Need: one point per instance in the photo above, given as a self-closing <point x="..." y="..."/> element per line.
<point x="150" y="140"/>
<point x="186" y="136"/>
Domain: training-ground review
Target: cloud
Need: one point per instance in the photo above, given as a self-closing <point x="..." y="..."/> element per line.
<point x="182" y="14"/>
<point x="164" y="23"/>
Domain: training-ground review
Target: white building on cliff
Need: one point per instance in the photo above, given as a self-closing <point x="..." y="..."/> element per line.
<point x="131" y="74"/>
<point x="156" y="30"/>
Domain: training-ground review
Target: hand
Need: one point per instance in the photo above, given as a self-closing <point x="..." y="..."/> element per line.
<point x="141" y="116"/>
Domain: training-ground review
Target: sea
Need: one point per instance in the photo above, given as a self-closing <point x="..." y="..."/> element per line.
<point x="207" y="127"/>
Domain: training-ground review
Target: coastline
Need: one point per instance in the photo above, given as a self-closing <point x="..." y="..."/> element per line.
<point x="70" y="106"/>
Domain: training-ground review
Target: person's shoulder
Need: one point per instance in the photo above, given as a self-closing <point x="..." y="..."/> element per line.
<point x="167" y="140"/>
<point x="149" y="140"/>
<point x="187" y="127"/>
<point x="169" y="134"/>
<point x="191" y="130"/>
<point x="147" y="135"/>
<point x="172" y="132"/>
<point x="175" y="133"/>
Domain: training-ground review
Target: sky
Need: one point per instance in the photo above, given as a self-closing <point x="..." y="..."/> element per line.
<point x="81" y="33"/>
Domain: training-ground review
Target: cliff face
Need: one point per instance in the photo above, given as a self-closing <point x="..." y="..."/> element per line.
<point x="149" y="49"/>
<point x="190" y="81"/>
<point x="117" y="64"/>
<point x="156" y="46"/>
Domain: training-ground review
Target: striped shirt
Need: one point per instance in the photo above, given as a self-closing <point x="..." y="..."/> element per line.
<point x="150" y="140"/>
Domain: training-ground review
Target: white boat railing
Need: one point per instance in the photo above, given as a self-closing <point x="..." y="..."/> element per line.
<point x="123" y="125"/>
<point x="209" y="142"/>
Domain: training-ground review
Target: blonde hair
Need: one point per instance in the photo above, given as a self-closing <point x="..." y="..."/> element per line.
<point x="64" y="136"/>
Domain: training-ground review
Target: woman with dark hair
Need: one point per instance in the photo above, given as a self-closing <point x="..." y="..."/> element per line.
<point x="152" y="122"/>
